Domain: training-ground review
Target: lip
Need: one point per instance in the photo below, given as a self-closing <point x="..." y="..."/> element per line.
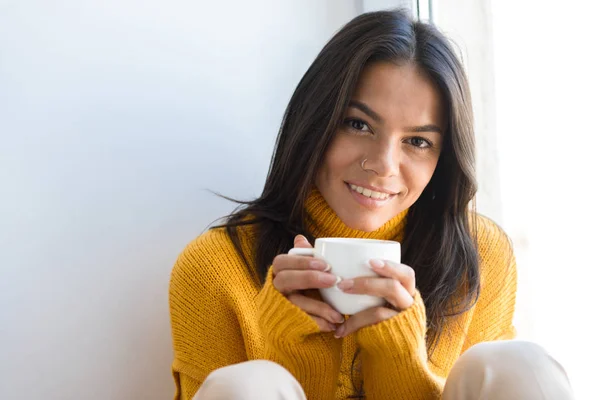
<point x="375" y="188"/>
<point x="368" y="202"/>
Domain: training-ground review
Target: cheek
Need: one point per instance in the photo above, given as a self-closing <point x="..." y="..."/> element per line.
<point x="418" y="175"/>
<point x="339" y="159"/>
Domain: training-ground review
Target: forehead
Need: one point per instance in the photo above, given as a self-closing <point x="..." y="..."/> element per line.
<point x="401" y="93"/>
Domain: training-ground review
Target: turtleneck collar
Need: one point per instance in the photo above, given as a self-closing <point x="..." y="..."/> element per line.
<point x="322" y="221"/>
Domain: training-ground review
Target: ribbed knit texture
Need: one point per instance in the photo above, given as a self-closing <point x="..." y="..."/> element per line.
<point x="221" y="316"/>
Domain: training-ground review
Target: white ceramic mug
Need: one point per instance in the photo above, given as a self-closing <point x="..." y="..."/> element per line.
<point x="349" y="258"/>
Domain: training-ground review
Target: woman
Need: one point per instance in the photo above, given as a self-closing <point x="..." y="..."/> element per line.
<point x="377" y="142"/>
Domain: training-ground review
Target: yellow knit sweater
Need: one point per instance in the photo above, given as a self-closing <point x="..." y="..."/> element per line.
<point x="221" y="315"/>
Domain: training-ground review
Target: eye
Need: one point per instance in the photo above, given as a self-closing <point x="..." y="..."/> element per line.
<point x="357" y="124"/>
<point x="420" y="142"/>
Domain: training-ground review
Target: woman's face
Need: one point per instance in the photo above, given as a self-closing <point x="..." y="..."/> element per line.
<point x="395" y="121"/>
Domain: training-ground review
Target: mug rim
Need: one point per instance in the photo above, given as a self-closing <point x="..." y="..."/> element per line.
<point x="360" y="241"/>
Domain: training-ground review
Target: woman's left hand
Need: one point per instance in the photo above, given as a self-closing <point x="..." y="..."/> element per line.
<point x="395" y="283"/>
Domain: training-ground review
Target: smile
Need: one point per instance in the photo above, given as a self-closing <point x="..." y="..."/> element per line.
<point x="369" y="193"/>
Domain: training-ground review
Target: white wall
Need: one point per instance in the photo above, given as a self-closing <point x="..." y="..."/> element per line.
<point x="115" y="116"/>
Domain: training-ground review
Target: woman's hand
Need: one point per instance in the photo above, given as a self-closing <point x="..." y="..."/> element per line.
<point x="395" y="283"/>
<point x="295" y="276"/>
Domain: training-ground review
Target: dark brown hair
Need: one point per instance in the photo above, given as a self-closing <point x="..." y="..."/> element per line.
<point x="440" y="239"/>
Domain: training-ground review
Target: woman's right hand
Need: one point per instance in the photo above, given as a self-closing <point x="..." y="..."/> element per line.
<point x="295" y="275"/>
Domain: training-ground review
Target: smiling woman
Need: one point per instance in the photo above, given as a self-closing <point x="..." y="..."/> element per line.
<point x="377" y="142"/>
<point x="384" y="153"/>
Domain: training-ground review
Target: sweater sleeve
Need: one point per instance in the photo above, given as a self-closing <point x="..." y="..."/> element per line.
<point x="395" y="362"/>
<point x="495" y="308"/>
<point x="293" y="340"/>
<point x="394" y="357"/>
<point x="214" y="306"/>
<point x="205" y="329"/>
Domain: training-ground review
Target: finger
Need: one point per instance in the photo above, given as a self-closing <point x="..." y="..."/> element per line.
<point x="324" y="326"/>
<point x="400" y="272"/>
<point x="288" y="281"/>
<point x="302" y="241"/>
<point x="290" y="262"/>
<point x="388" y="288"/>
<point x="316" y="308"/>
<point x="364" y="318"/>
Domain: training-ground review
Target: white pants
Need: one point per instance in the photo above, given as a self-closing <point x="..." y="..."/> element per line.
<point x="504" y="370"/>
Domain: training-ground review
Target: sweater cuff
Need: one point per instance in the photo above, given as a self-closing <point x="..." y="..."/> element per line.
<point x="280" y="319"/>
<point x="399" y="334"/>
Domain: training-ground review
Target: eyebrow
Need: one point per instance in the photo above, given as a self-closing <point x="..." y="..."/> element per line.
<point x="366" y="109"/>
<point x="426" y="128"/>
<point x="377" y="118"/>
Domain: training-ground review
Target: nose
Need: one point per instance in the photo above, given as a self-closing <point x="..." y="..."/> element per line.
<point x="385" y="158"/>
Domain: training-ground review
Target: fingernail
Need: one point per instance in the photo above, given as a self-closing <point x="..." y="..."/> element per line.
<point x="376" y="263"/>
<point x="328" y="279"/>
<point x="346" y="284"/>
<point x="332" y="327"/>
<point x="299" y="238"/>
<point x="339" y="332"/>
<point x="318" y="264"/>
<point x="338" y="318"/>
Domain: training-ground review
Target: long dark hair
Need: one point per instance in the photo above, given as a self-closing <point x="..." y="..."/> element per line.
<point x="440" y="235"/>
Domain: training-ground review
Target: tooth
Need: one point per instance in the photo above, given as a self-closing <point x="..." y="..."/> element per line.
<point x="353" y="187"/>
<point x="367" y="192"/>
<point x="375" y="195"/>
<point x="359" y="189"/>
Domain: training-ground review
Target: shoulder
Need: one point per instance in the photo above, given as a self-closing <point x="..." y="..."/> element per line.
<point x="492" y="241"/>
<point x="497" y="260"/>
<point x="213" y="245"/>
<point x="211" y="261"/>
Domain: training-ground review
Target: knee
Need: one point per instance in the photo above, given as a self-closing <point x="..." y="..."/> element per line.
<point x="503" y="353"/>
<point x="515" y="369"/>
<point x="247" y="380"/>
<point x="502" y="359"/>
<point x="249" y="372"/>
